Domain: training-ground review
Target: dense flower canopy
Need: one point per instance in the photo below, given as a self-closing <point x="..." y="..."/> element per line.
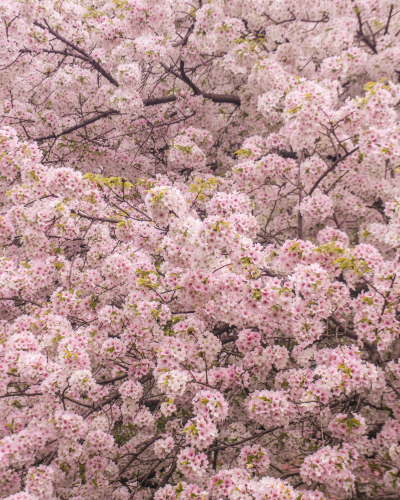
<point x="199" y="249"/>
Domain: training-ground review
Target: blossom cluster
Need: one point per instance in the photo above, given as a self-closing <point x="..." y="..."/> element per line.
<point x="199" y="250"/>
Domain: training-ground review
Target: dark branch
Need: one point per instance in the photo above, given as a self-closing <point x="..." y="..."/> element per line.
<point x="64" y="52"/>
<point x="223" y="98"/>
<point x="111" y="380"/>
<point x="21" y="395"/>
<point x="159" y="100"/>
<point x="330" y="169"/>
<point x="96" y="65"/>
<point x="100" y="219"/>
<point x="217" y="98"/>
<point x="78" y="126"/>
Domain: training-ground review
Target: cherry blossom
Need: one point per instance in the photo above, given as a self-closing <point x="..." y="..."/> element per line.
<point x="199" y="250"/>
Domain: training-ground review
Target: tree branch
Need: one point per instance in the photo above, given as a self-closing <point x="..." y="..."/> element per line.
<point x="96" y="65"/>
<point x="187" y="80"/>
<point x="322" y="176"/>
<point x="388" y="21"/>
<point x="65" y="52"/>
<point x="101" y="404"/>
<point x="21" y="300"/>
<point x="394" y="388"/>
<point x="168" y="475"/>
<point x="78" y="126"/>
<point x="217" y="98"/>
<point x="100" y="219"/>
<point x="141" y="450"/>
<point x="159" y="100"/>
<point x="363" y="37"/>
<point x="110" y="380"/>
<point x="21" y="394"/>
<point x="223" y="98"/>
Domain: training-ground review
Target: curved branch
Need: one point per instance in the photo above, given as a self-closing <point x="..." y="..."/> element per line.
<point x="21" y="301"/>
<point x="187" y="80"/>
<point x="21" y="394"/>
<point x="322" y="176"/>
<point x="111" y="380"/>
<point x="96" y="65"/>
<point x="217" y="98"/>
<point x="64" y="52"/>
<point x="78" y="126"/>
<point x="168" y="475"/>
<point x="101" y="404"/>
<point x="100" y="219"/>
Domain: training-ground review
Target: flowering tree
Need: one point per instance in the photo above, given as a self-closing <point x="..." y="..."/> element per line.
<point x="200" y="249"/>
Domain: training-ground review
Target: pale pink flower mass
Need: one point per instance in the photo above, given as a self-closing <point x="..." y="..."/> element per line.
<point x="199" y="250"/>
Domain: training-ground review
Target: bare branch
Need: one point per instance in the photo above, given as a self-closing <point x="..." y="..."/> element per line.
<point x="78" y="126"/>
<point x="65" y="52"/>
<point x="159" y="100"/>
<point x="111" y="380"/>
<point x="21" y="395"/>
<point x="388" y="21"/>
<point x="96" y="65"/>
<point x="100" y="219"/>
<point x="217" y="98"/>
<point x="330" y="169"/>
